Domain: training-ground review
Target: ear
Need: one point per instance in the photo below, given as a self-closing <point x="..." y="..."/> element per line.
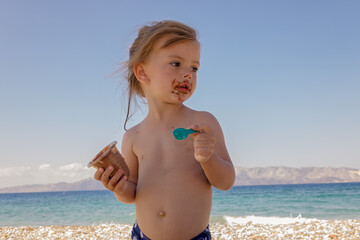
<point x="139" y="71"/>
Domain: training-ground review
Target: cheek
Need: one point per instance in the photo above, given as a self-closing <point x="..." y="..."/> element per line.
<point x="174" y="83"/>
<point x="168" y="71"/>
<point x="194" y="84"/>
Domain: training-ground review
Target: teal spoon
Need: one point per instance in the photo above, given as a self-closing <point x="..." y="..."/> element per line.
<point x="182" y="133"/>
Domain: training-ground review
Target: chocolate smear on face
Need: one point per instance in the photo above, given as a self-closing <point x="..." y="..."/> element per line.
<point x="181" y="88"/>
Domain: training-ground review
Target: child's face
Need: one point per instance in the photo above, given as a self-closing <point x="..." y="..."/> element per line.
<point x="172" y="71"/>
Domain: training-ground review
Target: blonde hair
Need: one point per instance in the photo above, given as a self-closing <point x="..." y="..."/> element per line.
<point x="143" y="46"/>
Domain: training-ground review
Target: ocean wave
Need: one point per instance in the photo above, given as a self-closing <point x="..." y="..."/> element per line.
<point x="267" y="220"/>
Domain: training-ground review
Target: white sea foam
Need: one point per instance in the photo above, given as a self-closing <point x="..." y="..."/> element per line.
<point x="267" y="220"/>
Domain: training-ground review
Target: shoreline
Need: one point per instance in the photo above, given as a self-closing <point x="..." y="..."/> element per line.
<point x="318" y="229"/>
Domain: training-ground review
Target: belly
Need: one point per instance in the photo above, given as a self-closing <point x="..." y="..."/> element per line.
<point x="173" y="202"/>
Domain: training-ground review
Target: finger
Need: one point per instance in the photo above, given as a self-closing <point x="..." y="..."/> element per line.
<point x="115" y="179"/>
<point x="98" y="173"/>
<point x="203" y="151"/>
<point x="203" y="154"/>
<point x="105" y="176"/>
<point x="201" y="128"/>
<point x="204" y="140"/>
<point x="119" y="186"/>
<point x="195" y="127"/>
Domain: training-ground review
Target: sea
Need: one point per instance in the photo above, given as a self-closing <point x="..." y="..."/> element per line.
<point x="264" y="204"/>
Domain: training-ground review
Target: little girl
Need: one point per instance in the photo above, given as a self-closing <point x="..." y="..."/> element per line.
<point x="170" y="180"/>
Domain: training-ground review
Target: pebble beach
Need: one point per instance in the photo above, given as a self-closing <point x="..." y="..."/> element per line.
<point x="320" y="229"/>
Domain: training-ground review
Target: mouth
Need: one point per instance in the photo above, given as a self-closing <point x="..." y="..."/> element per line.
<point x="184" y="87"/>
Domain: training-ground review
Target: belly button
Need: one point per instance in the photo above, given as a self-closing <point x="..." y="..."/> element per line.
<point x="162" y="213"/>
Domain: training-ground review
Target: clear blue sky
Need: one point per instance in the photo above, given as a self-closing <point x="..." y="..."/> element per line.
<point x="282" y="78"/>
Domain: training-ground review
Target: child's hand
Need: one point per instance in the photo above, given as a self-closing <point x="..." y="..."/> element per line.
<point x="113" y="184"/>
<point x="204" y="143"/>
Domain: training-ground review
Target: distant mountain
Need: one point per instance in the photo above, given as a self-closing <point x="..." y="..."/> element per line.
<point x="87" y="184"/>
<point x="286" y="175"/>
<point x="244" y="176"/>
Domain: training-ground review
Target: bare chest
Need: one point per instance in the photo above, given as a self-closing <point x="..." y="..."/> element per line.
<point x="161" y="149"/>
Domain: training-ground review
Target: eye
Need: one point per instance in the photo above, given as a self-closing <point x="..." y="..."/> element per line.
<point x="194" y="69"/>
<point x="175" y="64"/>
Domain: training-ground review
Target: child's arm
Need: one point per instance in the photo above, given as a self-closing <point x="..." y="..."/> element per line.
<point x="210" y="151"/>
<point x="123" y="188"/>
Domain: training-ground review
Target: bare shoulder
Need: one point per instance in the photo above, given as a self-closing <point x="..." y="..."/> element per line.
<point x="206" y="118"/>
<point x="130" y="135"/>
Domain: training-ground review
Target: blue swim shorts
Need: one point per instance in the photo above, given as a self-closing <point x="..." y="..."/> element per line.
<point x="136" y="234"/>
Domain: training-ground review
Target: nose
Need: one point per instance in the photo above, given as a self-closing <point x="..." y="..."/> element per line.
<point x="187" y="74"/>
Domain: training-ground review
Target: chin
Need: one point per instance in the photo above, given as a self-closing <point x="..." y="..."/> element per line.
<point x="180" y="98"/>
